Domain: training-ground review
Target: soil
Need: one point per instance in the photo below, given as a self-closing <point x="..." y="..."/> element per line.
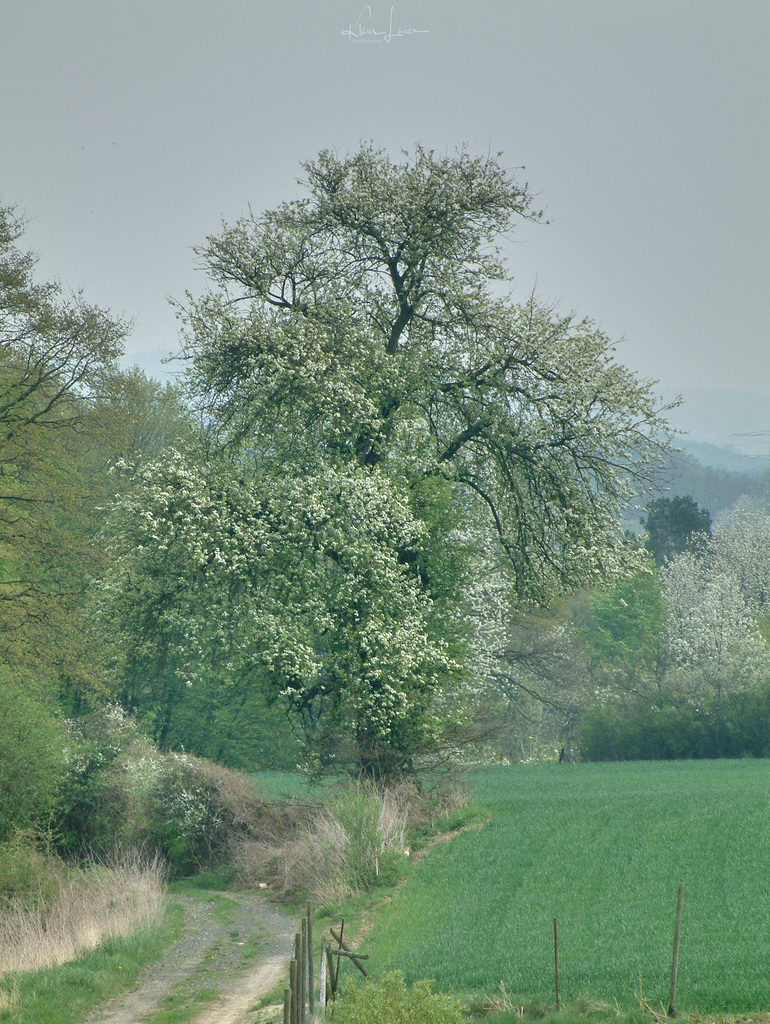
<point x="212" y="951"/>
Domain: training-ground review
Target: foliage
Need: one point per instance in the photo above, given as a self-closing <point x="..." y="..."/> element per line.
<point x="624" y="624"/>
<point x="621" y="635"/>
<point x="672" y="524"/>
<point x="31" y="757"/>
<point x="200" y="542"/>
<point x="138" y="418"/>
<point x="537" y="690"/>
<point x="713" y="599"/>
<point x="120" y="792"/>
<point x="736" y="725"/>
<point x="382" y="429"/>
<point x="390" y="1000"/>
<point x="602" y="848"/>
<point x="54" y="353"/>
<point x="677" y="658"/>
<point x="740" y="548"/>
<point x="29" y="874"/>
<point x="237" y="729"/>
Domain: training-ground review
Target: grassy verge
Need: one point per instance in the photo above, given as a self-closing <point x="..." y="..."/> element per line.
<point x="81" y="909"/>
<point x="69" y="992"/>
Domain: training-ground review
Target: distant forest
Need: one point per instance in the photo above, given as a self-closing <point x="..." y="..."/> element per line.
<point x="714" y="489"/>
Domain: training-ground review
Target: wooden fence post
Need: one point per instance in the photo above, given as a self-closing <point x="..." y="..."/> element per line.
<point x="675" y="965"/>
<point x="556" y="962"/>
<point x="293" y="988"/>
<point x="331" y="972"/>
<point x="299" y="998"/>
<point x="322" y="981"/>
<point x="310" y="993"/>
<point x="303" y="973"/>
<point x="348" y="952"/>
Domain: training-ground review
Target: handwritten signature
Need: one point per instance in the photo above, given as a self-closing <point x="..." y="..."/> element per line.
<point x="363" y="31"/>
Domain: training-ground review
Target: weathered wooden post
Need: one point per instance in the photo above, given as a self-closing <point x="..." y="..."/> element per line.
<point x="556" y="962"/>
<point x="331" y="972"/>
<point x="303" y="974"/>
<point x="293" y="988"/>
<point x="297" y="986"/>
<point x="322" y="981"/>
<point x="310" y="993"/>
<point x="346" y="951"/>
<point x="675" y="965"/>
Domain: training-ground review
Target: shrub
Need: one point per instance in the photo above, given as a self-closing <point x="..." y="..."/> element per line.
<point x="358" y="812"/>
<point x="184" y="816"/>
<point x="121" y="792"/>
<point x="94" y="802"/>
<point x="737" y="725"/>
<point x="32" y="743"/>
<point x="27" y="873"/>
<point x="390" y="1001"/>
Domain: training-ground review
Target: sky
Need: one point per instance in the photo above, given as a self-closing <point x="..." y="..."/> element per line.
<point x="131" y="130"/>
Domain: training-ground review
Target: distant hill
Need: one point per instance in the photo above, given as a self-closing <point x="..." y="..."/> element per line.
<point x="714" y="488"/>
<point x="725" y="442"/>
<point x="724" y="458"/>
<point x="724" y="429"/>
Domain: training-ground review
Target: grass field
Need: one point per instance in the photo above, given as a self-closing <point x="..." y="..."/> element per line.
<point x="291" y="786"/>
<point x="602" y="848"/>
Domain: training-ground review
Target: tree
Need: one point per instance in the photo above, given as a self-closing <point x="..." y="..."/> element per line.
<point x="52" y="350"/>
<point x="672" y="524"/>
<point x="740" y="548"/>
<point x="714" y="599"/>
<point x="32" y="744"/>
<point x="383" y="427"/>
<point x="54" y="353"/>
<point x="621" y="632"/>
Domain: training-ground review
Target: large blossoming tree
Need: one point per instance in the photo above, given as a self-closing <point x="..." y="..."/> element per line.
<point x="385" y="430"/>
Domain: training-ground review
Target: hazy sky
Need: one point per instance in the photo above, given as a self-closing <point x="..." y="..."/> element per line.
<point x="130" y="129"/>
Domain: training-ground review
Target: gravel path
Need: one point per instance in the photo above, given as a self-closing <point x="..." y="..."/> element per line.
<point x="241" y="988"/>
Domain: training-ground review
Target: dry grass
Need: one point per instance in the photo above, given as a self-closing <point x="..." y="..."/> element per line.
<point x="319" y="859"/>
<point x="92" y="905"/>
<point x="395" y="805"/>
<point x="311" y="863"/>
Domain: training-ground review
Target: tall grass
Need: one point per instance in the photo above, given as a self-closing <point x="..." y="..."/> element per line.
<point x="343" y="847"/>
<point x="602" y="848"/>
<point x="90" y="907"/>
<point x="69" y="993"/>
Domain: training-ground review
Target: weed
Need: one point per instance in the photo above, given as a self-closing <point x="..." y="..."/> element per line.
<point x="390" y="999"/>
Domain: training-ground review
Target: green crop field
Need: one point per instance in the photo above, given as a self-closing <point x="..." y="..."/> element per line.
<point x="602" y="848"/>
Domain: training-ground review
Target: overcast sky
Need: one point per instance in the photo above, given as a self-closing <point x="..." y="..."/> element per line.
<point x="131" y="129"/>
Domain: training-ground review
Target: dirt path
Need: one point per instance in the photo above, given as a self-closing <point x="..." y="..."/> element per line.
<point x="211" y="951"/>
